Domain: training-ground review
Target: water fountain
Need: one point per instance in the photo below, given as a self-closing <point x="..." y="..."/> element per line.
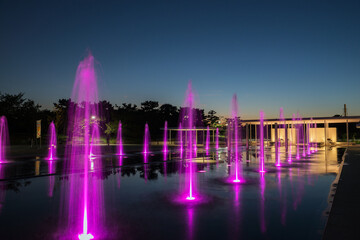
<point x="281" y="126"/>
<point x="83" y="198"/>
<point x="308" y="143"/>
<point x="316" y="144"/>
<point x="262" y="149"/>
<point x="146" y="140"/>
<point x="234" y="134"/>
<point x="187" y="122"/>
<point x="165" y="148"/>
<point x="207" y="143"/>
<point x="120" y="150"/>
<point x="52" y="142"/>
<point x="4" y="138"/>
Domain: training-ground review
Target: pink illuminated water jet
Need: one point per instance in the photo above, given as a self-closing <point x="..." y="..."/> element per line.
<point x="281" y="126"/>
<point x="146" y="139"/>
<point x="207" y="143"/>
<point x="4" y="138"/>
<point x="83" y="197"/>
<point x="234" y="139"/>
<point x="187" y="122"/>
<point x="165" y="148"/>
<point x="262" y="150"/>
<point x="120" y="150"/>
<point x="52" y="142"/>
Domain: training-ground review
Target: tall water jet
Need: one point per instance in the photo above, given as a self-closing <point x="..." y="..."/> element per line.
<point x="234" y="133"/>
<point x="165" y="148"/>
<point x="187" y="120"/>
<point x="262" y="149"/>
<point x="146" y="140"/>
<point x="217" y="139"/>
<point x="207" y="143"/>
<point x="297" y="137"/>
<point x="4" y="138"/>
<point x="120" y="150"/>
<point x="83" y="198"/>
<point x="281" y="126"/>
<point x="308" y="144"/>
<point x="316" y="145"/>
<point x="52" y="141"/>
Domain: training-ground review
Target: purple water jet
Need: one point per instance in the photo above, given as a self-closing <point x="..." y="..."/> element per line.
<point x="165" y="148"/>
<point x="146" y="140"/>
<point x="281" y="126"/>
<point x="308" y="144"/>
<point x="297" y="127"/>
<point x="4" y="138"/>
<point x="207" y="143"/>
<point x="262" y="150"/>
<point x="83" y="198"/>
<point x="187" y="121"/>
<point x="52" y="142"/>
<point x="233" y="134"/>
<point x="120" y="150"/>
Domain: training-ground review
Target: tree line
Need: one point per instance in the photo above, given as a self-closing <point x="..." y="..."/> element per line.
<point x="22" y="114"/>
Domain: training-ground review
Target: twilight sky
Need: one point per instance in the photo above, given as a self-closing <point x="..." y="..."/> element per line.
<point x="300" y="55"/>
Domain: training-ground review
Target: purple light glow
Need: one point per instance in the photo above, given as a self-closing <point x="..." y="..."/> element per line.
<point x="262" y="205"/>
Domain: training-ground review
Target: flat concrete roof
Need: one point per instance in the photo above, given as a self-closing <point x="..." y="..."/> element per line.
<point x="320" y="120"/>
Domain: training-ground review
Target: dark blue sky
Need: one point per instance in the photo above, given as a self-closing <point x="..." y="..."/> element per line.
<point x="300" y="55"/>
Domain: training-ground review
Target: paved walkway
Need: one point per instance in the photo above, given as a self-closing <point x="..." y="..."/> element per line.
<point x="344" y="219"/>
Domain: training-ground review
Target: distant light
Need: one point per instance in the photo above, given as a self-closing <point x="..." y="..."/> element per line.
<point x="93" y="117"/>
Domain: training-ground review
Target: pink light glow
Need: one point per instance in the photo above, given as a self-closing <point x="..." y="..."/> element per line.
<point x="85" y="235"/>
<point x="262" y="205"/>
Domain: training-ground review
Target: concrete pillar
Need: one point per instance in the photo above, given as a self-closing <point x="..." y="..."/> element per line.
<point x="326" y="125"/>
<point x="255" y="134"/>
<point x="250" y="131"/>
<point x="169" y="136"/>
